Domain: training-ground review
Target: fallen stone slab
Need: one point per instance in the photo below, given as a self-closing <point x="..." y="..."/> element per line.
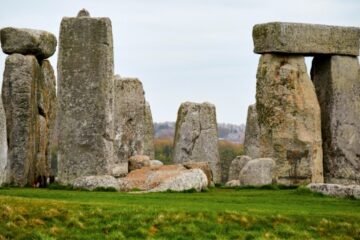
<point x="258" y="172"/>
<point x="93" y="182"/>
<point x="164" y="178"/>
<point x="26" y="41"/>
<point x="237" y="165"/>
<point x="336" y="190"/>
<point x="204" y="166"/>
<point x="305" y="39"/>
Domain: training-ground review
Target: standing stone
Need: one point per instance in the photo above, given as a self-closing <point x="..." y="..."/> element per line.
<point x="337" y="84"/>
<point x="149" y="148"/>
<point x="252" y="133"/>
<point x="85" y="94"/>
<point x="289" y="119"/>
<point x="19" y="98"/>
<point x="133" y="123"/>
<point x="4" y="163"/>
<point x="236" y="166"/>
<point x="196" y="136"/>
<point x="257" y="172"/>
<point x="47" y="109"/>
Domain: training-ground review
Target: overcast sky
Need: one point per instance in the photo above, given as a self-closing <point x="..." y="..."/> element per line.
<point x="184" y="50"/>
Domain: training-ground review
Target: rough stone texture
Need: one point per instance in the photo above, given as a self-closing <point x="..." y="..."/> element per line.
<point x="196" y="136"/>
<point x="4" y="163"/>
<point x="252" y="133"/>
<point x="133" y="121"/>
<point x="46" y="93"/>
<point x="233" y="183"/>
<point x="156" y="163"/>
<point x="204" y="166"/>
<point x="237" y="165"/>
<point x="29" y="101"/>
<point x="337" y="84"/>
<point x="83" y="13"/>
<point x="25" y="41"/>
<point x="149" y="148"/>
<point x="336" y="190"/>
<point x="85" y="94"/>
<point x="167" y="177"/>
<point x="305" y="39"/>
<point x="289" y="119"/>
<point x="93" y="182"/>
<point x="258" y="172"/>
<point x="138" y="161"/>
<point x="19" y="99"/>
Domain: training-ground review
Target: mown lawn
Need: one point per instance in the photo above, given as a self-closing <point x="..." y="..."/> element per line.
<point x="216" y="214"/>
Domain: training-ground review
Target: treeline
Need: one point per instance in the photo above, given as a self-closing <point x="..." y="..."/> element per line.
<point x="227" y="150"/>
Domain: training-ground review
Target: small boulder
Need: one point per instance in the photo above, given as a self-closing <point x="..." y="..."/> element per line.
<point x="233" y="183"/>
<point x="138" y="161"/>
<point x="258" y="172"/>
<point x="163" y="178"/>
<point x="119" y="170"/>
<point x="336" y="190"/>
<point x="156" y="163"/>
<point x="204" y="166"/>
<point x="236" y="166"/>
<point x="26" y="41"/>
<point x="93" y="182"/>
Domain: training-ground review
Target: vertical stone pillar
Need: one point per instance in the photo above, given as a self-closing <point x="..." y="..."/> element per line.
<point x="85" y="93"/>
<point x="288" y="115"/>
<point x="337" y="84"/>
<point x="4" y="162"/>
<point x="196" y="136"/>
<point x="133" y="123"/>
<point x="20" y="104"/>
<point x="252" y="133"/>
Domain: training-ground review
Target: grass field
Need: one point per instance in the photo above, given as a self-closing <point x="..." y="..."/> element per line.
<point x="216" y="214"/>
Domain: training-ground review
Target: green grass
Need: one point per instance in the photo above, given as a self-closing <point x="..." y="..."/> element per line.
<point x="216" y="214"/>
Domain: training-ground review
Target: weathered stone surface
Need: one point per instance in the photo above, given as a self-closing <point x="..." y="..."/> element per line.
<point x="204" y="166"/>
<point x="337" y="84"/>
<point x="149" y="148"/>
<point x="46" y="93"/>
<point x="306" y="39"/>
<point x="85" y="94"/>
<point x="252" y="133"/>
<point x="138" y="161"/>
<point x="237" y="165"/>
<point x="25" y="41"/>
<point x="167" y="177"/>
<point x="133" y="121"/>
<point x="289" y="119"/>
<point x="336" y="190"/>
<point x="4" y="163"/>
<point x="233" y="183"/>
<point x="93" y="182"/>
<point x="19" y="99"/>
<point x="156" y="163"/>
<point x="258" y="172"/>
<point x="83" y="13"/>
<point x="196" y="137"/>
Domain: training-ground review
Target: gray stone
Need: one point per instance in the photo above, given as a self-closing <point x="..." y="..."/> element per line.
<point x="83" y="13"/>
<point x="133" y="121"/>
<point x="4" y="163"/>
<point x="233" y="183"/>
<point x="204" y="166"/>
<point x="237" y="165"/>
<point x="85" y="94"/>
<point x="156" y="163"/>
<point x="19" y="99"/>
<point x="196" y="136"/>
<point x="93" y="182"/>
<point x="164" y="178"/>
<point x="337" y="86"/>
<point x="252" y="133"/>
<point x="258" y="172"/>
<point x="138" y="161"/>
<point x="289" y="119"/>
<point x="149" y="148"/>
<point x="335" y="190"/>
<point x="25" y="41"/>
<point x="306" y="39"/>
